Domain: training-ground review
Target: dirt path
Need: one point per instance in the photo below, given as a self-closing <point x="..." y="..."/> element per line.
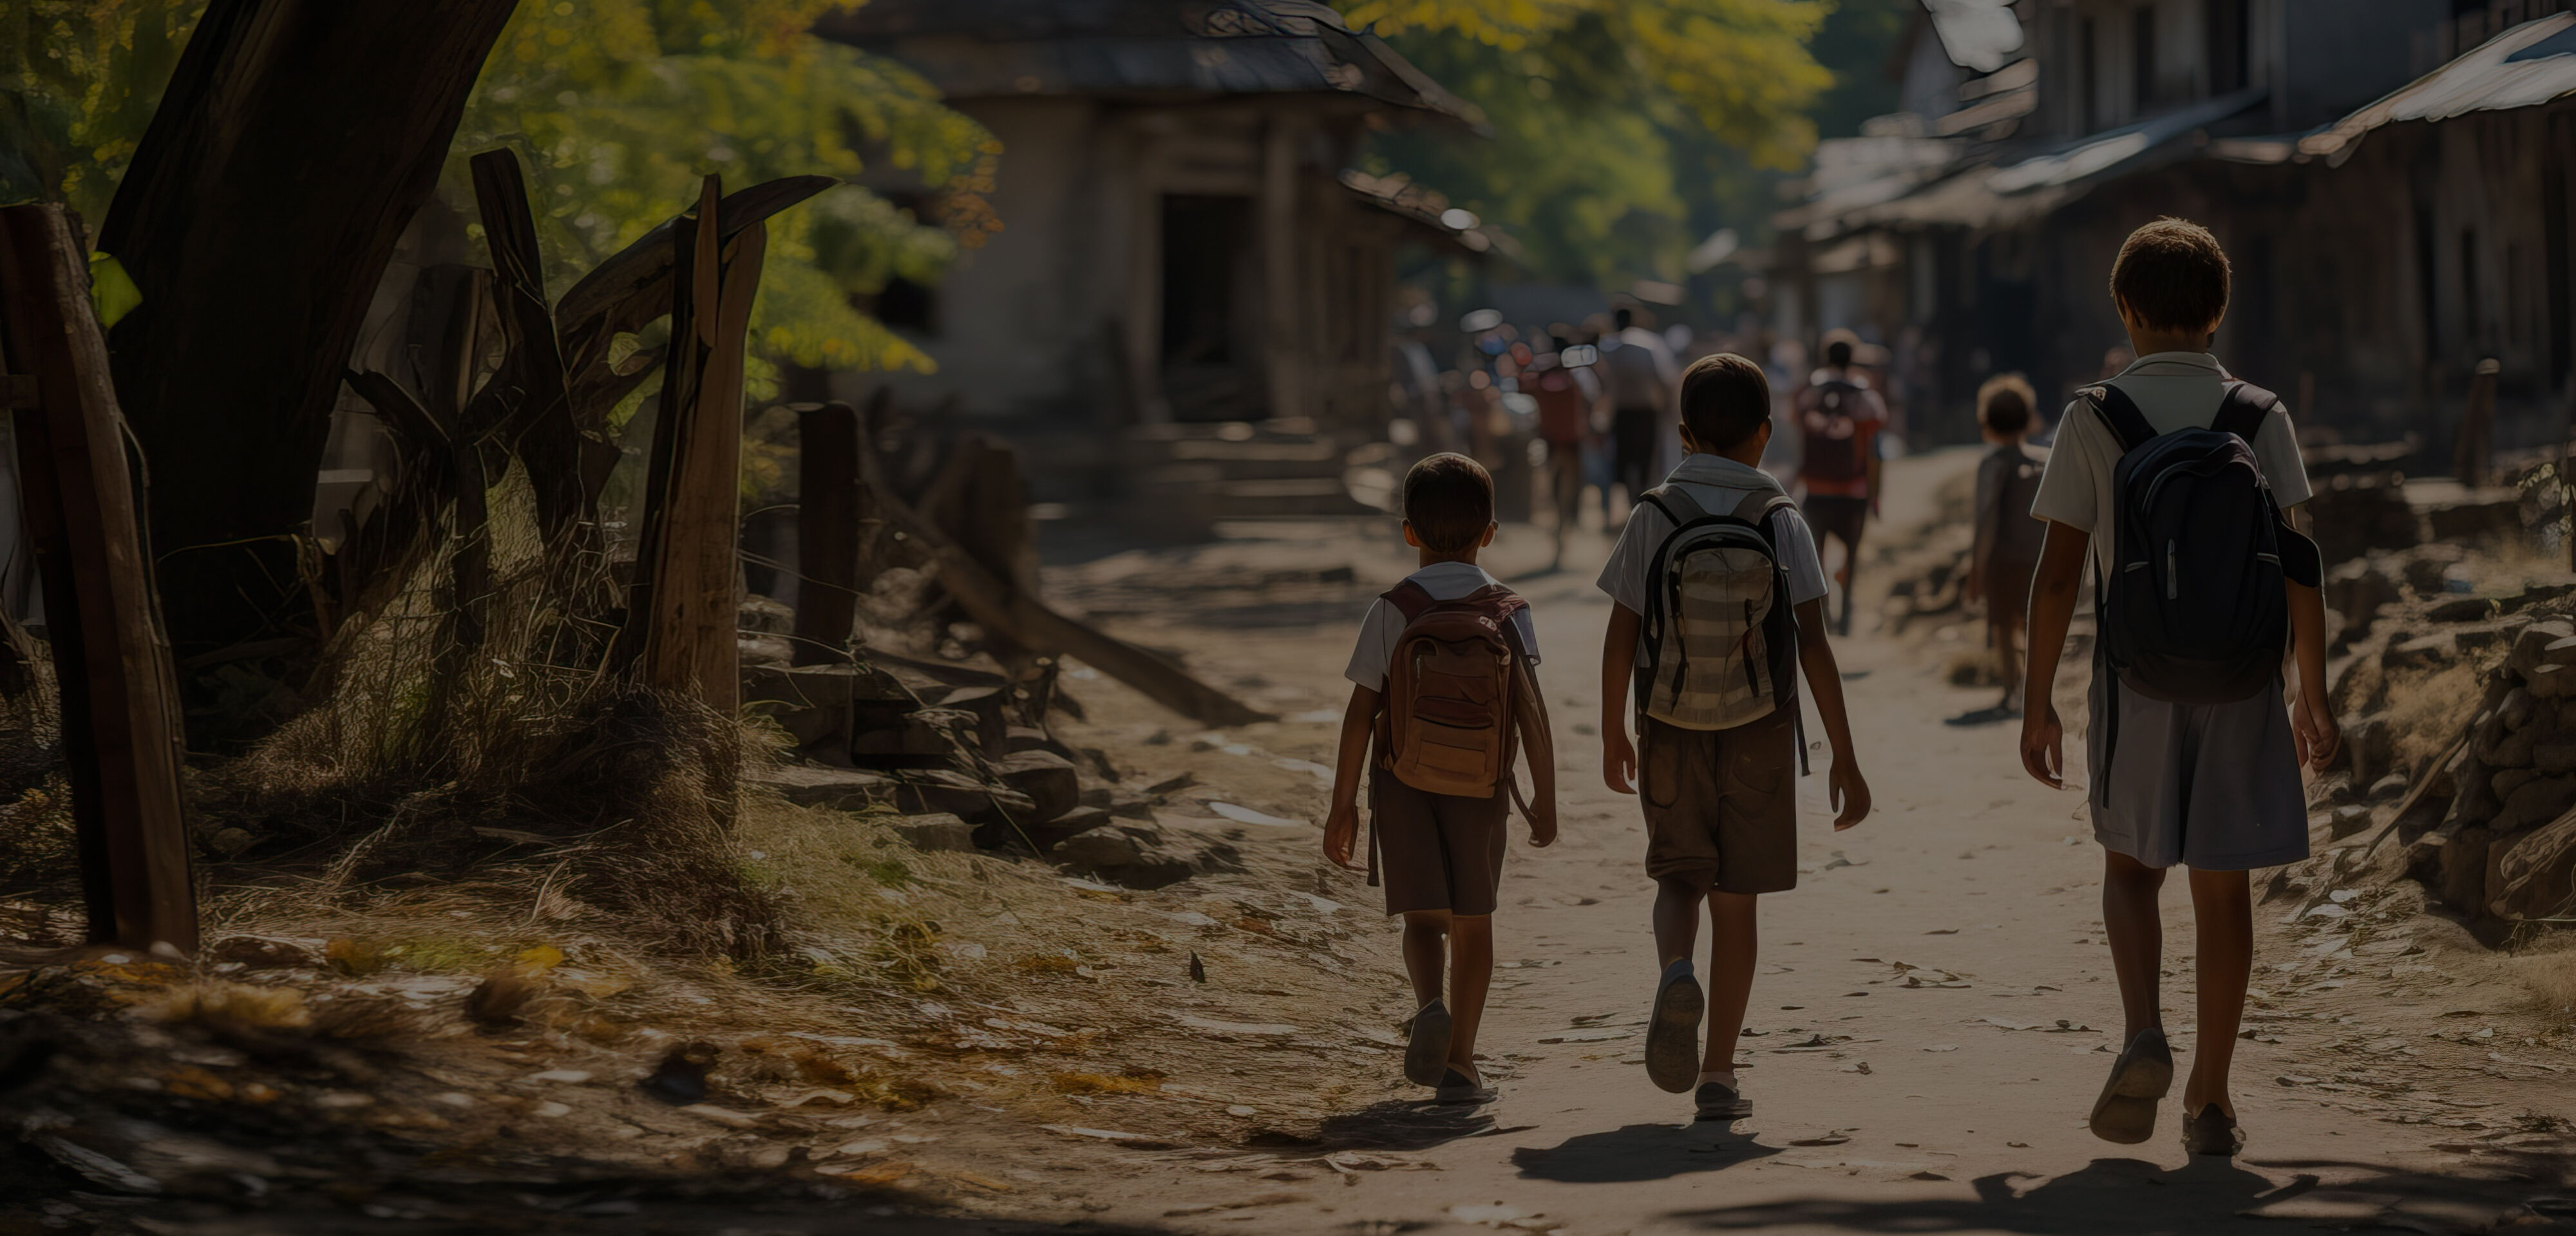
<point x="1924" y="1040"/>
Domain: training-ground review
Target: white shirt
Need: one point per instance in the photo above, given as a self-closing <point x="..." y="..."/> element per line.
<point x="1717" y="484"/>
<point x="2174" y="390"/>
<point x="1384" y="623"/>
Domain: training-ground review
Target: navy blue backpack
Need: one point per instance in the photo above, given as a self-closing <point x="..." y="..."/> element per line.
<point x="2193" y="611"/>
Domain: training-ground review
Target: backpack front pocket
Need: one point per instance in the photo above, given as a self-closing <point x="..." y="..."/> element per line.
<point x="1715" y="671"/>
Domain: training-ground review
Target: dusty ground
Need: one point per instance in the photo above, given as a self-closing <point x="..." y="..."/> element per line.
<point x="1026" y="1047"/>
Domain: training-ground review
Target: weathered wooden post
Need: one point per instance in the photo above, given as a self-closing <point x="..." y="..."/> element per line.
<point x="2474" y="449"/>
<point x="831" y="505"/>
<point x="682" y="611"/>
<point x="120" y="712"/>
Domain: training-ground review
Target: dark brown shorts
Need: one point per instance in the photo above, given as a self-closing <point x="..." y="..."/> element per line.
<point x="1437" y="851"/>
<point x="2007" y="587"/>
<point x="1832" y="515"/>
<point x="1723" y="803"/>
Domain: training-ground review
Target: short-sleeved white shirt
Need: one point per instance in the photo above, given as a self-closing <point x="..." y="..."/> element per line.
<point x="1384" y="623"/>
<point x="1717" y="484"/>
<point x="2174" y="390"/>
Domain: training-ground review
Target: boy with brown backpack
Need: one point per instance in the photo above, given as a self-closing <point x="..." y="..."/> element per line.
<point x="1720" y="606"/>
<point x="1442" y="701"/>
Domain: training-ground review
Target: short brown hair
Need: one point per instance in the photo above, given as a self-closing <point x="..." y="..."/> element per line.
<point x="2004" y="403"/>
<point x="1449" y="501"/>
<point x="1725" y="399"/>
<point x="2172" y="275"/>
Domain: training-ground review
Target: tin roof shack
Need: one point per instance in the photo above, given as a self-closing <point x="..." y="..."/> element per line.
<point x="2111" y="112"/>
<point x="1181" y="246"/>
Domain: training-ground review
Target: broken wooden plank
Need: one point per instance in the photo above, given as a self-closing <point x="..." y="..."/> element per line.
<point x="1016" y="615"/>
<point x="633" y="287"/>
<point x="118" y="690"/>
<point x="682" y="614"/>
<point x="538" y="425"/>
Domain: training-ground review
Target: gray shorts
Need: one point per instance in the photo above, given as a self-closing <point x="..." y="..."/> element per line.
<point x="2210" y="786"/>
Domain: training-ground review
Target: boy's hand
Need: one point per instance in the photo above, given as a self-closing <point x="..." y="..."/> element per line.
<point x="2319" y="735"/>
<point x="1618" y="760"/>
<point x="1850" y="792"/>
<point x="2043" y="745"/>
<point x="1342" y="834"/>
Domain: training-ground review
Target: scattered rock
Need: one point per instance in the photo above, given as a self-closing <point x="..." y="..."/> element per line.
<point x="2534" y="875"/>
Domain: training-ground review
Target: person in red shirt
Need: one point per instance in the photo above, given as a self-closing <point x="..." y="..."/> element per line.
<point x="1839" y="418"/>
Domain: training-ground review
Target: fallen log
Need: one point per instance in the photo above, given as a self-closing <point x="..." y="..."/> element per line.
<point x="1024" y="620"/>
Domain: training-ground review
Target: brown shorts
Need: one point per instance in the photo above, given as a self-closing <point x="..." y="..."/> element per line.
<point x="1437" y="851"/>
<point x="2007" y="587"/>
<point x="1723" y="803"/>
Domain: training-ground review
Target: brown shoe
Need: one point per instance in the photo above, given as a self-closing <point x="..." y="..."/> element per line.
<point x="2126" y="1112"/>
<point x="2213" y="1132"/>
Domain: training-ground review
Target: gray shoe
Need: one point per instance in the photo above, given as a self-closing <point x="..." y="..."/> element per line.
<point x="1719" y="1101"/>
<point x="1672" y="1034"/>
<point x="2126" y="1112"/>
<point x="1457" y="1087"/>
<point x="1426" y="1048"/>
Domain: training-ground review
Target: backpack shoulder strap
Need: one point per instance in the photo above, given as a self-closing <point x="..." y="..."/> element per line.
<point x="2242" y="410"/>
<point x="1409" y="599"/>
<point x="1677" y="506"/>
<point x="1758" y="507"/>
<point x="1503" y="600"/>
<point x="2121" y="413"/>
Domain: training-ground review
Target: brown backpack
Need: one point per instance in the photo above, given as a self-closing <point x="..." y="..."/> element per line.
<point x="1460" y="701"/>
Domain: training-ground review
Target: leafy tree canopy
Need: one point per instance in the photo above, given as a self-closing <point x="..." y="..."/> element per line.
<point x="617" y="107"/>
<point x="1623" y="129"/>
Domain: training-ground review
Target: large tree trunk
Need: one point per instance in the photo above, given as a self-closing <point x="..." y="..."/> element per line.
<point x="296" y="140"/>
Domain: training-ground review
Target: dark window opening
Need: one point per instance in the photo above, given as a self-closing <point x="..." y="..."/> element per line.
<point x="2553" y="222"/>
<point x="2427" y="268"/>
<point x="2088" y="88"/>
<point x="2472" y="310"/>
<point x="1206" y="242"/>
<point x="2224" y="24"/>
<point x="2142" y="55"/>
<point x="905" y="305"/>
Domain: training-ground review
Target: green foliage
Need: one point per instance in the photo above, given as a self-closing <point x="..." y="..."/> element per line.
<point x="1740" y="67"/>
<point x="78" y="82"/>
<point x="1854" y="44"/>
<point x="619" y="106"/>
<point x="1624" y="130"/>
<point x="112" y="293"/>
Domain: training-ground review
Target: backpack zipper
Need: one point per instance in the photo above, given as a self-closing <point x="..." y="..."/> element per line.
<point x="2173" y="574"/>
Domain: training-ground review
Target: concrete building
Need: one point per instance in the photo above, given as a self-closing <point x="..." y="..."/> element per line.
<point x="1181" y="242"/>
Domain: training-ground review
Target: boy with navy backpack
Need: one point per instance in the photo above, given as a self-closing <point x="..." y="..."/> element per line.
<point x="1720" y="607"/>
<point x="2170" y="480"/>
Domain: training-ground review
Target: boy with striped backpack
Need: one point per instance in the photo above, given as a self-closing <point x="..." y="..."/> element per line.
<point x="1720" y="606"/>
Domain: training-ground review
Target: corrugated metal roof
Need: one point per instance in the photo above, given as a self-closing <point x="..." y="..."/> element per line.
<point x="994" y="48"/>
<point x="2527" y="65"/>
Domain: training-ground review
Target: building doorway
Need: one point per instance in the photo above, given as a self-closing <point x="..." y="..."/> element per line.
<point x="1211" y="349"/>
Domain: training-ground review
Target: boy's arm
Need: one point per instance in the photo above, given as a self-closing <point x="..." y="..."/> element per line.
<point x="2052" y="609"/>
<point x="1342" y="822"/>
<point x="1618" y="664"/>
<point x="1850" y="791"/>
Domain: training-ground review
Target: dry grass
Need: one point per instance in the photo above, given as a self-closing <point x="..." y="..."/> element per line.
<point x="2547" y="970"/>
<point x="2428" y="712"/>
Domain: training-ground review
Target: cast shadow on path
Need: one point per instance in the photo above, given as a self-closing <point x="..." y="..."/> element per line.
<point x="1639" y="1152"/>
<point x="1404" y="1125"/>
<point x="2209" y="1197"/>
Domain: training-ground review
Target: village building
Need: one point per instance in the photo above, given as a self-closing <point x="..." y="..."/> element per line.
<point x="1184" y="239"/>
<point x="2390" y="177"/>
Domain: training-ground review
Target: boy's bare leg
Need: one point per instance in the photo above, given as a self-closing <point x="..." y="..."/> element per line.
<point x="2222" y="904"/>
<point x="2007" y="632"/>
<point x="1426" y="935"/>
<point x="1471" y="972"/>
<point x="1677" y="902"/>
<point x="2131" y="919"/>
<point x="1731" y="952"/>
